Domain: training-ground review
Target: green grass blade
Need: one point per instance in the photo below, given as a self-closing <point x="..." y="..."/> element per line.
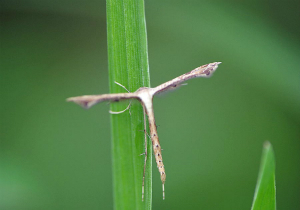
<point x="128" y="65"/>
<point x="265" y="192"/>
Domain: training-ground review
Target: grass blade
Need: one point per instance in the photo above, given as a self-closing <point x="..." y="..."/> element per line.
<point x="265" y="192"/>
<point x="128" y="65"/>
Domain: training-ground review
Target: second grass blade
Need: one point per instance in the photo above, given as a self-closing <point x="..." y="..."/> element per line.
<point x="265" y="192"/>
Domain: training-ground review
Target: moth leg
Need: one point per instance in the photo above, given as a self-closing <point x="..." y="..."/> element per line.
<point x="145" y="162"/>
<point x="122" y="86"/>
<point x="128" y="107"/>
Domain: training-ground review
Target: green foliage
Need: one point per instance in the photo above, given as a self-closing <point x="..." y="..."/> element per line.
<point x="56" y="156"/>
<point x="128" y="65"/>
<point x="265" y="192"/>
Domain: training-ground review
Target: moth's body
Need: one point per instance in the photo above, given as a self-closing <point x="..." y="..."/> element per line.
<point x="145" y="96"/>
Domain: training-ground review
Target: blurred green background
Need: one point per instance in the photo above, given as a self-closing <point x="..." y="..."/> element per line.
<point x="55" y="155"/>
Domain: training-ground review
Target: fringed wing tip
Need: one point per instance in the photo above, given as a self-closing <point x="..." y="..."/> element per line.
<point x="78" y="100"/>
<point x="213" y="66"/>
<point x="209" y="69"/>
<point x="217" y="63"/>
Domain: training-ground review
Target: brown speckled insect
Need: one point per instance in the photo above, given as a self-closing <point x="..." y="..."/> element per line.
<point x="145" y="96"/>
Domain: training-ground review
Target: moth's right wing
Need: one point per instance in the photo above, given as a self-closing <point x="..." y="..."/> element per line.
<point x="88" y="101"/>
